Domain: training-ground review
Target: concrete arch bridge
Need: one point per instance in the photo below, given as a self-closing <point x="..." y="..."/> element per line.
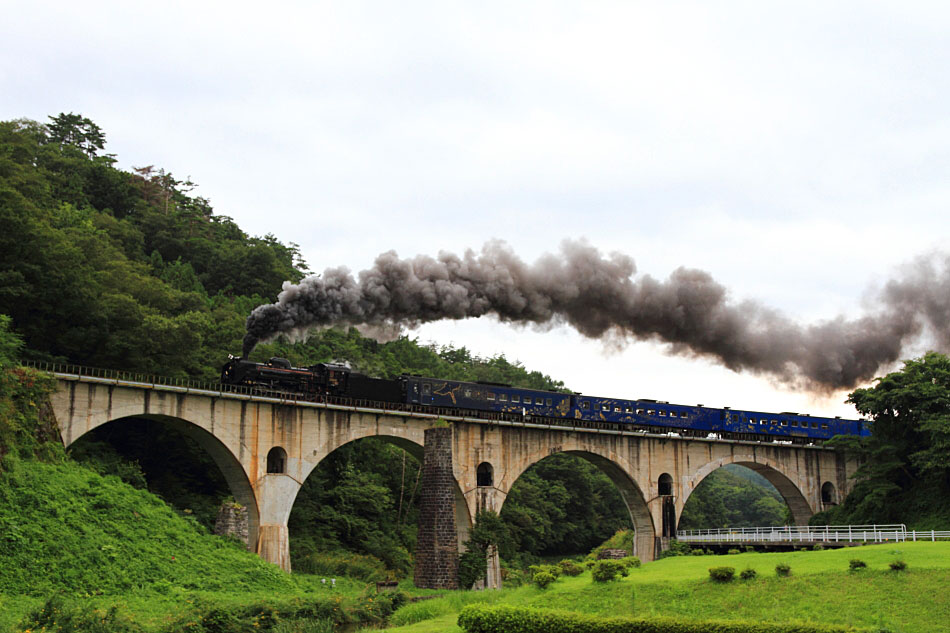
<point x="266" y="448"/>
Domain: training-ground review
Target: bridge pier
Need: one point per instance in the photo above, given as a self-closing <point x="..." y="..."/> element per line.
<point x="276" y="494"/>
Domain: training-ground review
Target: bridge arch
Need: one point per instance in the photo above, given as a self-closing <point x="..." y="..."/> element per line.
<point x="773" y="471"/>
<point x="415" y="448"/>
<point x="229" y="466"/>
<point x="633" y="498"/>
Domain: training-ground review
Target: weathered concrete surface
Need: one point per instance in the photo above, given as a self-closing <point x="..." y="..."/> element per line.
<point x="238" y="431"/>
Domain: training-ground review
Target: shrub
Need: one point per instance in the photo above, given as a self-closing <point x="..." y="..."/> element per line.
<point x="542" y="579"/>
<point x="304" y="626"/>
<point x="677" y="548"/>
<point x="722" y="574"/>
<point x="749" y="548"/>
<point x="818" y="547"/>
<point x="856" y="564"/>
<point x="359" y="566"/>
<point x="733" y="551"/>
<point x="589" y="564"/>
<point x="570" y="568"/>
<point x="897" y="565"/>
<point x="554" y="570"/>
<point x="484" y="618"/>
<point x="697" y="552"/>
<point x="748" y="574"/>
<point x="57" y="616"/>
<point x="630" y="562"/>
<point x="782" y="569"/>
<point x="606" y="570"/>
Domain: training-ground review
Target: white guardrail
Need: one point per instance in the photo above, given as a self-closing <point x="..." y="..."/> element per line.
<point x="812" y="534"/>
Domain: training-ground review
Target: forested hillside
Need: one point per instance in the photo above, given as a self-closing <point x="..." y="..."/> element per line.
<point x="131" y="269"/>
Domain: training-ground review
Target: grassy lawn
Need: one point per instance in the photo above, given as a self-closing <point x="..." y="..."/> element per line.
<point x="820" y="589"/>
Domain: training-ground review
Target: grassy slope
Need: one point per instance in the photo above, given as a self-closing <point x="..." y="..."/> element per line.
<point x="818" y="590"/>
<point x="65" y="529"/>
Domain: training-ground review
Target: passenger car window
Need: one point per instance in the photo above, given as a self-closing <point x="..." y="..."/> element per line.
<point x="426" y="389"/>
<point x="503" y="397"/>
<point x="527" y="399"/>
<point x="547" y="401"/>
<point x="516" y="398"/>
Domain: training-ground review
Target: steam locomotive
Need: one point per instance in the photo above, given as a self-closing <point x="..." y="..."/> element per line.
<point x="499" y="401"/>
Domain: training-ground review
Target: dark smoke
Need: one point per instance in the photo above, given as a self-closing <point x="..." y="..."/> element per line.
<point x="599" y="297"/>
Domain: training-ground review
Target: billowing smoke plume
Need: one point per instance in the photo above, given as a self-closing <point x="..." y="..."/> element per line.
<point x="600" y="297"/>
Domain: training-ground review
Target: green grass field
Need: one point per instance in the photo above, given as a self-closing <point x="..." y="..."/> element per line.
<point x="820" y="589"/>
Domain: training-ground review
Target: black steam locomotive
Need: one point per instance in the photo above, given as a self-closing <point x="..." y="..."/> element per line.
<point x="485" y="400"/>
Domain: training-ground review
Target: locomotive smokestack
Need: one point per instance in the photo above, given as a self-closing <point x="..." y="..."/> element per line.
<point x="601" y="296"/>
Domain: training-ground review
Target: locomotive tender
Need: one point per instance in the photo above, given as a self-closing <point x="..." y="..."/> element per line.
<point x="477" y="399"/>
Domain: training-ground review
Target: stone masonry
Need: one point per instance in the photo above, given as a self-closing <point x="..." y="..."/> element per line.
<point x="232" y="521"/>
<point x="437" y="554"/>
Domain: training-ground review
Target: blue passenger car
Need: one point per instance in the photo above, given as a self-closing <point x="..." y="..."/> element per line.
<point x="652" y="415"/>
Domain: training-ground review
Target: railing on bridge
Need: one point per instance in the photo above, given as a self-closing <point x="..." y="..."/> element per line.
<point x="812" y="534"/>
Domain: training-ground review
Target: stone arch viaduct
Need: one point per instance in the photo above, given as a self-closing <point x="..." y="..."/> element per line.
<point x="655" y="474"/>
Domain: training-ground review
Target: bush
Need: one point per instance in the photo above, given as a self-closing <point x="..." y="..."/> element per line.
<point x="782" y="569"/>
<point x="360" y="567"/>
<point x="542" y="579"/>
<point x="856" y="564"/>
<point x="589" y="564"/>
<point x="554" y="570"/>
<point x="722" y="574"/>
<point x="570" y="568"/>
<point x="630" y="562"/>
<point x="733" y="551"/>
<point x="897" y="565"/>
<point x="484" y="618"/>
<point x="677" y="548"/>
<point x="817" y="547"/>
<point x="56" y="616"/>
<point x="748" y="574"/>
<point x="697" y="552"/>
<point x="606" y="570"/>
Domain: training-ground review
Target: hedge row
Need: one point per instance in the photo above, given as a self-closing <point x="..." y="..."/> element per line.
<point x="482" y="618"/>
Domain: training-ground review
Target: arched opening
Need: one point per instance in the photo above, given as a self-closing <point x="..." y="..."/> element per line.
<point x="363" y="498"/>
<point x="188" y="467"/>
<point x="569" y="503"/>
<point x="664" y="486"/>
<point x="484" y="475"/>
<point x="737" y="495"/>
<point x="276" y="461"/>
<point x="829" y="495"/>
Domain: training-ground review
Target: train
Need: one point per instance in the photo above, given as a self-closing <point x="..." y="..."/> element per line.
<point x="500" y="401"/>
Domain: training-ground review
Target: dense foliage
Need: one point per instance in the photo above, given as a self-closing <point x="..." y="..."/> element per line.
<point x="905" y="473"/>
<point x="561" y="505"/>
<point x="733" y="496"/>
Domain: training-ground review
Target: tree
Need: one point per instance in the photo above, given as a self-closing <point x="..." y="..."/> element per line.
<point x="905" y="474"/>
<point x="78" y="131"/>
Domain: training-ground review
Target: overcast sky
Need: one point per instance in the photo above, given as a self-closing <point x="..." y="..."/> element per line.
<point x="797" y="151"/>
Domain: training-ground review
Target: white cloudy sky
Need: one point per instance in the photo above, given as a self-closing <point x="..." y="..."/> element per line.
<point x="798" y="151"/>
